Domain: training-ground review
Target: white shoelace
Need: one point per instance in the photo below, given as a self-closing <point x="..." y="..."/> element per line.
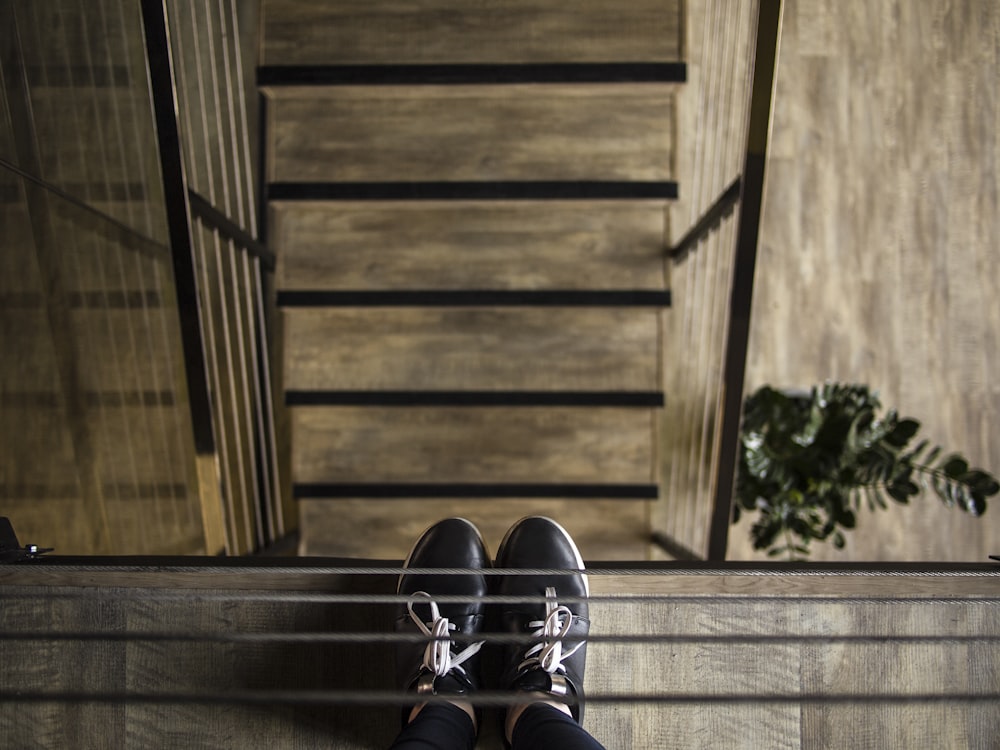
<point x="549" y="653"/>
<point x="438" y="657"/>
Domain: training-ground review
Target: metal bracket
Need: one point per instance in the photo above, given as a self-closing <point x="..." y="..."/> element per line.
<point x="11" y="550"/>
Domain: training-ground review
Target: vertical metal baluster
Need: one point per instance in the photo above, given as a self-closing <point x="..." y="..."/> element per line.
<point x="270" y="459"/>
<point x="235" y="256"/>
<point x="174" y="448"/>
<point x="243" y="179"/>
<point x="229" y="280"/>
<point x="101" y="408"/>
<point x="201" y="267"/>
<point x="133" y="348"/>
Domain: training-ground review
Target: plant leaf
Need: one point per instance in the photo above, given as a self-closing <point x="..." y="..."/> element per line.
<point x="955" y="466"/>
<point x="903" y="432"/>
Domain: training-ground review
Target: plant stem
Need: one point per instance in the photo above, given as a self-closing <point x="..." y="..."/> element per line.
<point x="789" y="547"/>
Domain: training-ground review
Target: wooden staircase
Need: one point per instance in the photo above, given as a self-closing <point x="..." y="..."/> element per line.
<point x="467" y="205"/>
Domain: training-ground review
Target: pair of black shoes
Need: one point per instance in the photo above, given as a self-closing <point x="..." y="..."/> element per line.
<point x="550" y="655"/>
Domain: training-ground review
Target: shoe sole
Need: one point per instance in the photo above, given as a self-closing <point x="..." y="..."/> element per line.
<point x="572" y="544"/>
<point x="470" y="524"/>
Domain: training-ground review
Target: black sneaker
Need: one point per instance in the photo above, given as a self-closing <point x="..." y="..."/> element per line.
<point x="441" y="667"/>
<point x="546" y="665"/>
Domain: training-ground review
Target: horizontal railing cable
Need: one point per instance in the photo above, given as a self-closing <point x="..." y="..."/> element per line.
<point x="308" y="597"/>
<point x="625" y="568"/>
<point x="379" y="638"/>
<point x="484" y="698"/>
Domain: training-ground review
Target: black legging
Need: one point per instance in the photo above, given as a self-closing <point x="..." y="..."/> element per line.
<point x="441" y="726"/>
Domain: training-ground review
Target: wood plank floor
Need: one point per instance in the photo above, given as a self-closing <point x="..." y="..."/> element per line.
<point x="744" y="661"/>
<point x="878" y="248"/>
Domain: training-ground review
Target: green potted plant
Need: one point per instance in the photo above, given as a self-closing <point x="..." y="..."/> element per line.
<point x="808" y="463"/>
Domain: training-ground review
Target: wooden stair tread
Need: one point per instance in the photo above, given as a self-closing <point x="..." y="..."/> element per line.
<point x="386" y="529"/>
<point x="472" y="349"/>
<point x="470" y="133"/>
<point x="434" y="31"/>
<point x="106" y="357"/>
<point x="469" y="245"/>
<point x="440" y="445"/>
<point x="136" y="445"/>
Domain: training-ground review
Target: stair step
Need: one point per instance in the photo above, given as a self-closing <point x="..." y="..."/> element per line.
<point x="498" y="245"/>
<point x="501" y="446"/>
<point x="94" y="272"/>
<point x="119" y="349"/>
<point x="386" y="529"/>
<point x="318" y="32"/>
<point x="533" y="349"/>
<point x="137" y="446"/>
<point x="470" y="133"/>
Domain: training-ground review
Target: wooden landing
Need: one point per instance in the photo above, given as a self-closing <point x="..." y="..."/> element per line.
<point x="734" y="658"/>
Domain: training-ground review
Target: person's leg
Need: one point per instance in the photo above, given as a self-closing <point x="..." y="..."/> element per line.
<point x="549" y="670"/>
<point x="438" y="726"/>
<point x="541" y="725"/>
<point x="440" y="666"/>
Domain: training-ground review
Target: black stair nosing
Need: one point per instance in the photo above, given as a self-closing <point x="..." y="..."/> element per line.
<point x="419" y="490"/>
<point x="474" y="298"/>
<point x="471" y="73"/>
<point x="595" y="399"/>
<point x="471" y="190"/>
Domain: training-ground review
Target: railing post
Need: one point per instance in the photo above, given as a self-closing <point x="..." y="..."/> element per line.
<point x="164" y="100"/>
<point x="748" y="230"/>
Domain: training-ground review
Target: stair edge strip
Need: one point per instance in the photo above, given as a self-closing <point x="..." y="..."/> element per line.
<point x="471" y="73"/>
<point x="401" y="490"/>
<point x="473" y="190"/>
<point x="652" y="399"/>
<point x="475" y="298"/>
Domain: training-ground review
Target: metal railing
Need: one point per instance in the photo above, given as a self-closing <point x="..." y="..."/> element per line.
<point x="199" y="94"/>
<point x="731" y="51"/>
<point x="135" y="397"/>
<point x="95" y="439"/>
<point x="243" y="651"/>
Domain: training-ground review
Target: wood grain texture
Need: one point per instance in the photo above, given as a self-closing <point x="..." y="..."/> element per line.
<point x="690" y="426"/>
<point x="387" y="529"/>
<point x="471" y="349"/>
<point x="878" y="240"/>
<point x="545" y="445"/>
<point x="313" y="32"/>
<point x="456" y="133"/>
<point x="497" y="245"/>
<point x="723" y="656"/>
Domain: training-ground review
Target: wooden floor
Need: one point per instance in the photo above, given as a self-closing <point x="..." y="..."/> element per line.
<point x="732" y="661"/>
<point x="879" y="246"/>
